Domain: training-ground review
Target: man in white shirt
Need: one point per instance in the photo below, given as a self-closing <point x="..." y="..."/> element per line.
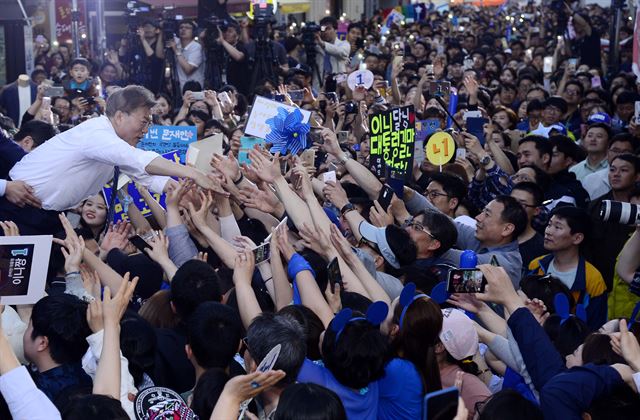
<point x="595" y="143"/>
<point x="189" y="55"/>
<point x="77" y="163"/>
<point x="597" y="184"/>
<point x="332" y="53"/>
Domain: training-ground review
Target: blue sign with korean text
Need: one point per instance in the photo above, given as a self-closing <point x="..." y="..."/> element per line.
<point x="168" y="138"/>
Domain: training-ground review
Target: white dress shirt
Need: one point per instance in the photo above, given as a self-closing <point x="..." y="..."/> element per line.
<point x="338" y="52"/>
<point x="77" y="163"/>
<point x="596" y="184"/>
<point x="25" y="400"/>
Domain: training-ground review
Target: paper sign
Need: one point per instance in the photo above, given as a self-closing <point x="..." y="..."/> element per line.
<point x="138" y="201"/>
<point x="167" y="138"/>
<point x="440" y="148"/>
<point x="200" y="152"/>
<point x="360" y="78"/>
<point x="246" y="144"/>
<point x="262" y="110"/>
<point x="392" y="138"/>
<point x="23" y="268"/>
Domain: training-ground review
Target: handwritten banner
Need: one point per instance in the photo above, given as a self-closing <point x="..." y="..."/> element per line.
<point x="63" y="20"/>
<point x="168" y="138"/>
<point x="392" y="142"/>
<point x="263" y="109"/>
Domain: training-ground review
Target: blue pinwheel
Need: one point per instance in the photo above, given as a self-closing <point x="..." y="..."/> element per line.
<point x="288" y="132"/>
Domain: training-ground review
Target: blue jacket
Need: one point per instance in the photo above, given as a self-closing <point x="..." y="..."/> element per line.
<point x="570" y="394"/>
<point x="10" y="154"/>
<point x="588" y="281"/>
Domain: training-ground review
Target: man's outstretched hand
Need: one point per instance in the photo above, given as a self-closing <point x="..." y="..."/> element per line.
<point x="21" y="194"/>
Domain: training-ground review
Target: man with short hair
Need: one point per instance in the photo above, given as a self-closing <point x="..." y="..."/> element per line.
<point x="534" y="150"/>
<point x="265" y="332"/>
<point x="597" y="184"/>
<point x="564" y="186"/>
<point x="34" y="133"/>
<point x="530" y="242"/>
<point x="332" y="53"/>
<point x="595" y="143"/>
<point x="624" y="173"/>
<point x="188" y="53"/>
<point x="567" y="229"/>
<point x="85" y="158"/>
<point x="55" y="341"/>
<point x="446" y="192"/>
<point x="554" y="108"/>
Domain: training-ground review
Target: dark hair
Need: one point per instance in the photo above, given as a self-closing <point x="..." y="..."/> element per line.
<point x="268" y="330"/>
<point x="568" y="335"/>
<point x="621" y="403"/>
<point x="401" y="244"/>
<point x="355" y="301"/>
<point x="509" y="404"/>
<point x="543" y="145"/>
<point x="192" y="85"/>
<point x="417" y="337"/>
<point x="129" y="99"/>
<point x="329" y="20"/>
<point x="624" y="138"/>
<point x="513" y="213"/>
<point x="308" y="401"/>
<point x="627" y="97"/>
<point x="597" y="350"/>
<point x="577" y="218"/>
<point x="577" y="83"/>
<point x="604" y="126"/>
<point x="534" y="105"/>
<point x="513" y="117"/>
<point x="451" y="184"/>
<point x="61" y="98"/>
<point x="214" y="332"/>
<point x="195" y="282"/>
<point x="39" y="131"/>
<point x="63" y="320"/>
<point x="312" y="326"/>
<point x="542" y="178"/>
<point x="632" y="159"/>
<point x="95" y="407"/>
<point x="207" y="391"/>
<point x="359" y="357"/>
<point x="138" y="343"/>
<point x="533" y="189"/>
<point x="81" y="61"/>
<point x="442" y="228"/>
<point x="546" y="288"/>
<point x="567" y="147"/>
<point x="544" y="92"/>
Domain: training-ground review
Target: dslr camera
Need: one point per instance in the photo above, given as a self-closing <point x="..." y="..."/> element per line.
<point x="619" y="212"/>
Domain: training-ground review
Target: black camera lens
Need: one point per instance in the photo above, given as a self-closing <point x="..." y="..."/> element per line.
<point x="619" y="212"/>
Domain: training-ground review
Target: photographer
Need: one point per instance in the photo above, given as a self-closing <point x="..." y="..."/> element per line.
<point x="235" y="57"/>
<point x="153" y="64"/>
<point x="189" y="58"/>
<point x="332" y="53"/>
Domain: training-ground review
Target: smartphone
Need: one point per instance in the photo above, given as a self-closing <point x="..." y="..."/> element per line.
<point x="278" y="97"/>
<point x="385" y="196"/>
<point x="308" y="157"/>
<point x="262" y="252"/>
<point x="440" y="89"/>
<point x="466" y="280"/>
<point x="332" y="96"/>
<point x="296" y="95"/>
<point x="461" y="153"/>
<point x="53" y="91"/>
<point x="572" y="63"/>
<point x="282" y="222"/>
<point x="139" y="243"/>
<point x="471" y="114"/>
<point x="547" y="67"/>
<point x="475" y="126"/>
<point x="439" y="404"/>
<point x="467" y="64"/>
<point x="296" y="180"/>
<point x="343" y="136"/>
<point x="197" y="96"/>
<point x="596" y="82"/>
<point x="224" y="98"/>
<point x="429" y="69"/>
<point x="333" y="274"/>
<point x="329" y="177"/>
<point x="637" y="112"/>
<point x="397" y="60"/>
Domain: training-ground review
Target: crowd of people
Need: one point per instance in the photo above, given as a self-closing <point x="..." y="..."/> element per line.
<point x="342" y="314"/>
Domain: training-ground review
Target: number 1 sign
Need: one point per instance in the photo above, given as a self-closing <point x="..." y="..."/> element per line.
<point x="440" y="148"/>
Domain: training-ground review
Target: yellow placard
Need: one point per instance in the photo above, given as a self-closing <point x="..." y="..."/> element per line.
<point x="440" y="148"/>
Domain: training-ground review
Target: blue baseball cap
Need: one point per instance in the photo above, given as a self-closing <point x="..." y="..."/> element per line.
<point x="599" y="117"/>
<point x="560" y="128"/>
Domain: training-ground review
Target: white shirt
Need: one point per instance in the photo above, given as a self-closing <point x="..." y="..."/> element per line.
<point x="24" y="100"/>
<point x="338" y="52"/>
<point x="194" y="56"/>
<point x="597" y="184"/>
<point x="566" y="277"/>
<point x="77" y="163"/>
<point x="582" y="169"/>
<point x="24" y="399"/>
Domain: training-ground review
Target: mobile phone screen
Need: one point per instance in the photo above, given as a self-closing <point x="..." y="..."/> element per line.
<point x="262" y="252"/>
<point x="333" y="274"/>
<point x="384" y="199"/>
<point x="466" y="280"/>
<point x="438" y="404"/>
<point x="139" y="243"/>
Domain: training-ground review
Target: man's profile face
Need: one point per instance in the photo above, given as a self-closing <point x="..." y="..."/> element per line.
<point x="132" y="127"/>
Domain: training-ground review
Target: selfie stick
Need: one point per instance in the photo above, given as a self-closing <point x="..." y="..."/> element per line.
<point x="444" y="106"/>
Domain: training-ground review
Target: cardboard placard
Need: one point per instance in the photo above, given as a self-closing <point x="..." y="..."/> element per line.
<point x="168" y="138"/>
<point x="23" y="268"/>
<point x="392" y="139"/>
<point x="263" y="109"/>
<point x="200" y="152"/>
<point x="440" y="148"/>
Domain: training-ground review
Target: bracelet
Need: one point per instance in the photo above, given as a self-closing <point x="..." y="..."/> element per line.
<point x="239" y="179"/>
<point x="72" y="273"/>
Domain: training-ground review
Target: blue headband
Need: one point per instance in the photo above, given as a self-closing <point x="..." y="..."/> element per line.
<point x="407" y="297"/>
<point x="561" y="303"/>
<point x="376" y="313"/>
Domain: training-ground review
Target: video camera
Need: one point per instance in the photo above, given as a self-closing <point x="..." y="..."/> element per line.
<point x="262" y="17"/>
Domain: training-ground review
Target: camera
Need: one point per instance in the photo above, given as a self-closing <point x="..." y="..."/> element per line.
<point x="169" y="28"/>
<point x="350" y="107"/>
<point x="619" y="212"/>
<point x="309" y="38"/>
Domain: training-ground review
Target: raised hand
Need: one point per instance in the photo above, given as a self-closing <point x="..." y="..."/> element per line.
<point x="267" y="169"/>
<point x="245" y="264"/>
<point x="159" y="251"/>
<point x="379" y="217"/>
<point x="9" y="228"/>
<point x="226" y="165"/>
<point x="72" y="252"/>
<point x="331" y="144"/>
<point x="199" y="216"/>
<point x="255" y="198"/>
<point x="335" y="194"/>
<point x="284" y="246"/>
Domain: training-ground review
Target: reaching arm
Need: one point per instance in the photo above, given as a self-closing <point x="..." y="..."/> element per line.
<point x="282" y="289"/>
<point x="157" y="211"/>
<point x="242" y="274"/>
<point x="629" y="259"/>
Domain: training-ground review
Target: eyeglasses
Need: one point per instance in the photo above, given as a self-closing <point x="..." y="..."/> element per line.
<point x="419" y="227"/>
<point x="433" y="194"/>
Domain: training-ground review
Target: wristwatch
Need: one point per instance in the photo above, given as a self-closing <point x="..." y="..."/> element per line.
<point x="347" y="208"/>
<point x="485" y="160"/>
<point x="344" y="158"/>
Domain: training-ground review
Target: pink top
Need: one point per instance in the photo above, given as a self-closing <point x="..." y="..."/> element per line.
<point x="473" y="389"/>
